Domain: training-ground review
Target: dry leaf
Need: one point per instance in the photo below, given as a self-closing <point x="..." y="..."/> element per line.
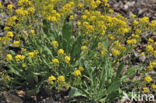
<point x="20" y="93"/>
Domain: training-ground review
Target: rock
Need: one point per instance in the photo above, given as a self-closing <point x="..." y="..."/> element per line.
<point x="10" y="98"/>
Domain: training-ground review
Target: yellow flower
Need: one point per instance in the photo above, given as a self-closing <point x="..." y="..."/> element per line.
<point x="21" y="12"/>
<point x="55" y="44"/>
<point x="154" y="53"/>
<point x="80" y="5"/>
<point x="115" y="52"/>
<point x="132" y="15"/>
<point x="52" y="18"/>
<point x="154" y="86"/>
<point x="23" y="49"/>
<point x="10" y="34"/>
<point x="77" y="73"/>
<point x="61" y="79"/>
<point x="32" y="32"/>
<point x="31" y="54"/>
<point x="146" y="90"/>
<point x="1" y="5"/>
<point x="142" y="54"/>
<point x="23" y="65"/>
<point x="144" y="20"/>
<point x="150" y="67"/>
<point x="103" y="51"/>
<point x="81" y="68"/>
<point x="10" y="6"/>
<point x="111" y="11"/>
<point x="14" y="17"/>
<point x="71" y="17"/>
<point x="67" y="59"/>
<point x="51" y="79"/>
<point x="35" y="52"/>
<point x="92" y="18"/>
<point x="150" y="40"/>
<point x="78" y="23"/>
<point x="55" y="61"/>
<point x="135" y="36"/>
<point x="100" y="45"/>
<point x="83" y="48"/>
<point x="60" y="52"/>
<point x="9" y="57"/>
<point x="19" y="57"/>
<point x="110" y="36"/>
<point x="154" y="43"/>
<point x="138" y="31"/>
<point x="16" y="43"/>
<point x="84" y="17"/>
<point x="148" y="79"/>
<point x="149" y="49"/>
<point x="153" y="63"/>
<point x="6" y="28"/>
<point x="31" y="10"/>
<point x="132" y="41"/>
<point x="6" y="77"/>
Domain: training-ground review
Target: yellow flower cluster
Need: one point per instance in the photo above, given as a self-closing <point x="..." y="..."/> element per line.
<point x="67" y="59"/>
<point x="10" y="7"/>
<point x="55" y="44"/>
<point x="1" y="6"/>
<point x="146" y="90"/>
<point x="66" y="8"/>
<point x="148" y="79"/>
<point x="81" y="68"/>
<point x="115" y="52"/>
<point x="16" y="43"/>
<point x="55" y="61"/>
<point x="132" y="41"/>
<point x="9" y="57"/>
<point x="61" y="79"/>
<point x="151" y="66"/>
<point x="11" y="21"/>
<point x="84" y="48"/>
<point x="60" y="52"/>
<point x="32" y="32"/>
<point x="77" y="73"/>
<point x="7" y="38"/>
<point x="31" y="54"/>
<point x="24" y="3"/>
<point x="51" y="79"/>
<point x="149" y="49"/>
<point x="21" y="12"/>
<point x="26" y="7"/>
<point x="19" y="57"/>
<point x="117" y="45"/>
<point x="9" y="34"/>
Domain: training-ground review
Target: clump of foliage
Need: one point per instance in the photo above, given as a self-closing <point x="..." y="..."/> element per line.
<point x="77" y="44"/>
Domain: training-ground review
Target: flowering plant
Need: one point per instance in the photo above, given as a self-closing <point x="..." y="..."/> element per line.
<point x="89" y="53"/>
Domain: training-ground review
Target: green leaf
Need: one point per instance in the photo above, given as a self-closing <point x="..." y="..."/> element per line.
<point x="120" y="68"/>
<point x="41" y="73"/>
<point x="34" y="91"/>
<point x="113" y="87"/>
<point x="131" y="71"/>
<point x="12" y="52"/>
<point x="47" y="50"/>
<point x="76" y="49"/>
<point x="67" y="31"/>
<point x="12" y="70"/>
<point x="75" y="92"/>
